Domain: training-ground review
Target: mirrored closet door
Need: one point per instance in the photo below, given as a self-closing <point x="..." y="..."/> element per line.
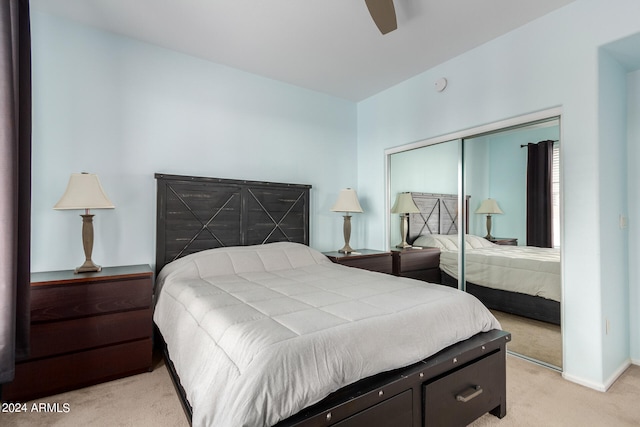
<point x="512" y="256"/>
<point x="508" y="228"/>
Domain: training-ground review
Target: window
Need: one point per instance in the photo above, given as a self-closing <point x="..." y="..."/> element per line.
<point x="555" y="190"/>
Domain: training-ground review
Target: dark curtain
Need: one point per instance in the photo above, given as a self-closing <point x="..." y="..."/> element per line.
<point x="15" y="183"/>
<point x="539" y="194"/>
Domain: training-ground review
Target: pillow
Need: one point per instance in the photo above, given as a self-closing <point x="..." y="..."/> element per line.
<point x="475" y="242"/>
<point x="446" y="242"/>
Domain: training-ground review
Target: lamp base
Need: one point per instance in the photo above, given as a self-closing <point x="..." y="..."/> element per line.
<point x="404" y="245"/>
<point x="346" y="230"/>
<point x="87" y="244"/>
<point x="404" y="229"/>
<point x="488" y="236"/>
<point x="346" y="250"/>
<point x="88" y="267"/>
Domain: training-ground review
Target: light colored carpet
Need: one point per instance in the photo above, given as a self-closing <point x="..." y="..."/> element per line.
<point x="144" y="400"/>
<point x="536" y="396"/>
<point x="531" y="338"/>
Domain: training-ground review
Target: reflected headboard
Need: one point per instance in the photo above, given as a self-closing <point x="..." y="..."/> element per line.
<point x="438" y="215"/>
<point x="196" y="213"/>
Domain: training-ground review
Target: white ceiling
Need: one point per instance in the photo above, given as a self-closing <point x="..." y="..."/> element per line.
<point x="330" y="46"/>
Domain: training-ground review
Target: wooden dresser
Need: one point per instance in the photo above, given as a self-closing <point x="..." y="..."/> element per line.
<point x="85" y="329"/>
<point x="421" y="264"/>
<point x="507" y="241"/>
<point x="366" y="259"/>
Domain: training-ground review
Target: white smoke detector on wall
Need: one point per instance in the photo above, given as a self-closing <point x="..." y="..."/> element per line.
<point x="441" y="84"/>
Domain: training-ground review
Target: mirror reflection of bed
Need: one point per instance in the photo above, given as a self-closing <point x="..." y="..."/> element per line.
<point x="495" y="166"/>
<point x="520" y="284"/>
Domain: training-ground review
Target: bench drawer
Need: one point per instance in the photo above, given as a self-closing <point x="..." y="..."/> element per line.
<point x="464" y="395"/>
<point x="396" y="411"/>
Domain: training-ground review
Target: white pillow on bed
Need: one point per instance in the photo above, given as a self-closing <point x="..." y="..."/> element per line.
<point x="475" y="242"/>
<point x="446" y="242"/>
<point x="449" y="242"/>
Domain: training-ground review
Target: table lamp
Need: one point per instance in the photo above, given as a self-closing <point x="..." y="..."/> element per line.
<point x="85" y="192"/>
<point x="347" y="202"/>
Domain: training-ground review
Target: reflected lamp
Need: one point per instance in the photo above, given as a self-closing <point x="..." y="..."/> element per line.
<point x="404" y="206"/>
<point x="489" y="207"/>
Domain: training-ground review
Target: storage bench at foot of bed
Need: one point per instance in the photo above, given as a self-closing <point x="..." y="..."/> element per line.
<point x="423" y="394"/>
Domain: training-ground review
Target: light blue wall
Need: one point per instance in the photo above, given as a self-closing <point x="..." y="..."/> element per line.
<point x="620" y="100"/>
<point x="633" y="143"/>
<point x="477" y="175"/>
<point x="612" y="103"/>
<point x="125" y="110"/>
<point x="550" y="62"/>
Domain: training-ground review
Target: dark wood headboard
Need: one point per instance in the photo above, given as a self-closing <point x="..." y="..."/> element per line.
<point x="196" y="213"/>
<point x="438" y="215"/>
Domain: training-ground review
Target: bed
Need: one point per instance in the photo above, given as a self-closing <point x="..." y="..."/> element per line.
<point x="268" y="331"/>
<point x="521" y="280"/>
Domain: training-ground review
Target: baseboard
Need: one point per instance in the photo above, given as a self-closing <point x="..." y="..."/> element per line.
<point x="583" y="382"/>
<point x="635" y="362"/>
<point x="612" y="379"/>
<point x="603" y="387"/>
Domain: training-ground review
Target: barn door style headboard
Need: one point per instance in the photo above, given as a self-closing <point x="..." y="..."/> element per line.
<point x="196" y="213"/>
<point x="438" y="215"/>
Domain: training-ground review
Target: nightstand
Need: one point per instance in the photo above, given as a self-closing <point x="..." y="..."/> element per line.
<point x="507" y="241"/>
<point x="421" y="264"/>
<point x="367" y="259"/>
<point x="85" y="329"/>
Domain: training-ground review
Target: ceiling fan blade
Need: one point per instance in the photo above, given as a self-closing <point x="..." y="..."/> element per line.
<point x="383" y="14"/>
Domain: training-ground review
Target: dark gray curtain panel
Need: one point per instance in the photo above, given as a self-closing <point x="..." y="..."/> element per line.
<point x="15" y="183"/>
<point x="539" y="194"/>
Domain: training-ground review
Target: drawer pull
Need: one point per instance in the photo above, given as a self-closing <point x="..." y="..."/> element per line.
<point x="472" y="393"/>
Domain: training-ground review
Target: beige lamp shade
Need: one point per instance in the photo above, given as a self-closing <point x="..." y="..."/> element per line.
<point x="347" y="202"/>
<point x="489" y="206"/>
<point x="404" y="204"/>
<point x="84" y="191"/>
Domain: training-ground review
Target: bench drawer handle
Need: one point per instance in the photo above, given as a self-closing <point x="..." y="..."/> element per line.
<point x="472" y="393"/>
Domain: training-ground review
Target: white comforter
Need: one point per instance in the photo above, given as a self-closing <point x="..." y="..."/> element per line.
<point x="525" y="269"/>
<point x="258" y="333"/>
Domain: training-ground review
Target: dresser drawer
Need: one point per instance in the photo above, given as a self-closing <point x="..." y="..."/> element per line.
<point x="463" y="395"/>
<point x="85" y="299"/>
<point x="381" y="264"/>
<point x="53" y="338"/>
<point x="54" y="375"/>
<point x="419" y="259"/>
<point x="366" y="259"/>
